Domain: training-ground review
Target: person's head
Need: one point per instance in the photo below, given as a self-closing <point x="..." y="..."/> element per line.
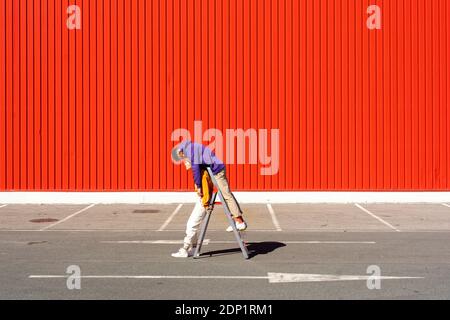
<point x="178" y="155"/>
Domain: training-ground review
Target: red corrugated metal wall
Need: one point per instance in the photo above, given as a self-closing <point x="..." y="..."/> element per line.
<point x="93" y="109"/>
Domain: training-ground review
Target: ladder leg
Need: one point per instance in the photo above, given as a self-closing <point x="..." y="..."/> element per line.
<point x="202" y="234"/>
<point x="233" y="225"/>
<point x="230" y="219"/>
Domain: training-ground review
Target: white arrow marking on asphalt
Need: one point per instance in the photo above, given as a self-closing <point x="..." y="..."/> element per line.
<point x="272" y="277"/>
<point x="292" y="277"/>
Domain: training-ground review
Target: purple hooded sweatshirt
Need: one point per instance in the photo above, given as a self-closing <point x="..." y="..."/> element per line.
<point x="201" y="157"/>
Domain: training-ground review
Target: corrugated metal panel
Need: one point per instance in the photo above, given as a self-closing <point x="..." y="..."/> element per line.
<point x="93" y="109"/>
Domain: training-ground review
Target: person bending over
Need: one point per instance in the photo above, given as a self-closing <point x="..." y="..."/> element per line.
<point x="199" y="157"/>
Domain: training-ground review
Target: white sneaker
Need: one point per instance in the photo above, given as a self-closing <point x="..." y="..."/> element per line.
<point x="182" y="253"/>
<point x="239" y="226"/>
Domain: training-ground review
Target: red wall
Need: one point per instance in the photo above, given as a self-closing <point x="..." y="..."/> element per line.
<point x="93" y="109"/>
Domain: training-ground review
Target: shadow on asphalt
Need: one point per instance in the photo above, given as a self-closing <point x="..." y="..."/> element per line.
<point x="254" y="249"/>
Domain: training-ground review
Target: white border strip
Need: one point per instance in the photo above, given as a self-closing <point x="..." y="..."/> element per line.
<point x="32" y="197"/>
<point x="3" y="205"/>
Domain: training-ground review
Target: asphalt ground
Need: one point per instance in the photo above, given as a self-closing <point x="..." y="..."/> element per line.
<point x="300" y="251"/>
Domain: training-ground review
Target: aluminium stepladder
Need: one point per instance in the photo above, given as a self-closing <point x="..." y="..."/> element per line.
<point x="205" y="221"/>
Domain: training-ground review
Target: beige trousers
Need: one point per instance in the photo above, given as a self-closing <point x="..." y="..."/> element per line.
<point x="229" y="198"/>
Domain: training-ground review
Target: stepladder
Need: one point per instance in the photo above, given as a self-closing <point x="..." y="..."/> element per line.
<point x="207" y="217"/>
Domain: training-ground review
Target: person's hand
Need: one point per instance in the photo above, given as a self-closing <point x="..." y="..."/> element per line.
<point x="199" y="192"/>
<point x="187" y="164"/>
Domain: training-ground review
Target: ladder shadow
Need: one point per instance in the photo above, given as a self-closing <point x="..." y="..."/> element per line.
<point x="254" y="249"/>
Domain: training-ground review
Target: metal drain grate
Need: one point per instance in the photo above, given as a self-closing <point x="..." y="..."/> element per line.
<point x="43" y="220"/>
<point x="146" y="211"/>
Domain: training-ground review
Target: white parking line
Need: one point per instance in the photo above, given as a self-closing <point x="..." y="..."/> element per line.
<point x="3" y="205"/>
<point x="67" y="218"/>
<point x="274" y="217"/>
<point x="446" y="205"/>
<point x="170" y="218"/>
<point x="376" y="217"/>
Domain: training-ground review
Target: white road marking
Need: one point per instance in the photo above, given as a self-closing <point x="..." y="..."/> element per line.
<point x="271" y="277"/>
<point x="205" y="242"/>
<point x="170" y="218"/>
<point x="329" y="242"/>
<point x="144" y="277"/>
<point x="3" y="205"/>
<point x="444" y="204"/>
<point x="208" y="241"/>
<point x="67" y="218"/>
<point x="376" y="217"/>
<point x="292" y="277"/>
<point x="274" y="217"/>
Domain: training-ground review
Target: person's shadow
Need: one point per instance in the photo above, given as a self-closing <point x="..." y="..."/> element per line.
<point x="254" y="249"/>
